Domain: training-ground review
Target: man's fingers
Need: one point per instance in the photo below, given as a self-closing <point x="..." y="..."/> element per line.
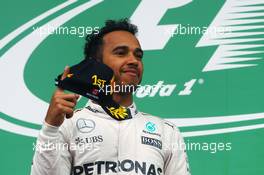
<point x="64" y="75"/>
<point x="67" y="111"/>
<point x="69" y="116"/>
<point x="61" y="109"/>
<point x="66" y="72"/>
<point x="69" y="97"/>
<point x="67" y="103"/>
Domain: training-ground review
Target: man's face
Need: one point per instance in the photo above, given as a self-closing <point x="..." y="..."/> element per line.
<point x="122" y="53"/>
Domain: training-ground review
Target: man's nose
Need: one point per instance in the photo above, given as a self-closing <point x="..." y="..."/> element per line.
<point x="132" y="60"/>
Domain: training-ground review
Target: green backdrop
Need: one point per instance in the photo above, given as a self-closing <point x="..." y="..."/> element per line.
<point x="210" y="83"/>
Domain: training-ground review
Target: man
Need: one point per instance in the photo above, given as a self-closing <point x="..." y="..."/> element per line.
<point x="95" y="143"/>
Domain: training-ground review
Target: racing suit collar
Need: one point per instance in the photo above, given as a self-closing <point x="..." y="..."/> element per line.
<point x="92" y="105"/>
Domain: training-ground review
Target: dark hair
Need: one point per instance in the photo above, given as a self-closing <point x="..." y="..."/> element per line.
<point x="94" y="42"/>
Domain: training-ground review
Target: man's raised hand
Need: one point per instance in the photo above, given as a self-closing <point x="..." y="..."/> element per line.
<point x="61" y="105"/>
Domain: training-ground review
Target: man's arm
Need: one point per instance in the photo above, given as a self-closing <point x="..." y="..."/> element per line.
<point x="177" y="163"/>
<point x="52" y="156"/>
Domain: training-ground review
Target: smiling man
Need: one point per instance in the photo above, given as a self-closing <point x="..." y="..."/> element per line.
<point x="91" y="142"/>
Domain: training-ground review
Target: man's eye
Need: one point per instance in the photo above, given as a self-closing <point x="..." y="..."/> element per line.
<point x="120" y="53"/>
<point x="139" y="55"/>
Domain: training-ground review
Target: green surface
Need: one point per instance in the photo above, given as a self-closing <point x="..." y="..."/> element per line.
<point x="229" y="92"/>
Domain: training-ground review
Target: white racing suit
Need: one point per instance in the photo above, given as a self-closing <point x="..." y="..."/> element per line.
<point x="93" y="143"/>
